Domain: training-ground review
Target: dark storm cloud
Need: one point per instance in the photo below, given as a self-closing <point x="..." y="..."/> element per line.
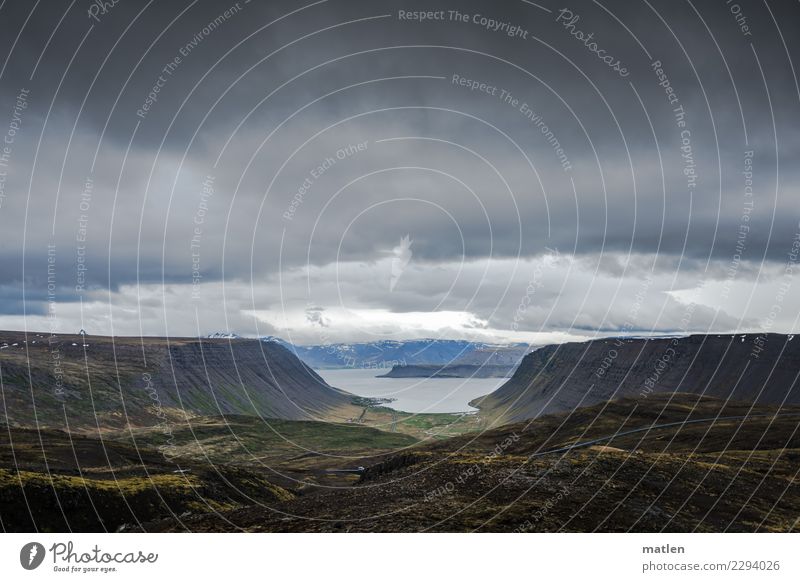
<point x="110" y="104"/>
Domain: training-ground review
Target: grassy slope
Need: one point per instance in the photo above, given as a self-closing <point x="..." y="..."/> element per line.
<point x="727" y="475"/>
<point x="722" y="476"/>
<point x="245" y="440"/>
<point x="51" y="481"/>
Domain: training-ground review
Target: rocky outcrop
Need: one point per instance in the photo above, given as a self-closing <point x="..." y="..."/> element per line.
<point x="760" y="368"/>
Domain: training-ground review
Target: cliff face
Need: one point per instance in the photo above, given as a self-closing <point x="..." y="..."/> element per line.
<point x="246" y="377"/>
<point x="760" y="368"/>
<point x="90" y="381"/>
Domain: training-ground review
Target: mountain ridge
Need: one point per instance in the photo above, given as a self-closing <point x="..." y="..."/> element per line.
<point x="760" y="368"/>
<point x="96" y="381"/>
<point x="388" y="353"/>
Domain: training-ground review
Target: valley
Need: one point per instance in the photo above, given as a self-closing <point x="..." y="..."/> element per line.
<point x="231" y="434"/>
<point x="720" y="476"/>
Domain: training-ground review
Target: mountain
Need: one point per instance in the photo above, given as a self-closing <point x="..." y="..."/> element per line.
<point x="389" y="353"/>
<point x="665" y="459"/>
<point x="503" y="355"/>
<point x="761" y="368"/>
<point x="449" y="371"/>
<point x="91" y="381"/>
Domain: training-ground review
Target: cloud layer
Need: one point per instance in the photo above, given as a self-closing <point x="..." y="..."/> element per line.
<point x="190" y="167"/>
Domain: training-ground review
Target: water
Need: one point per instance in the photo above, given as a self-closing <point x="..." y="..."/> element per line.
<point x="413" y="394"/>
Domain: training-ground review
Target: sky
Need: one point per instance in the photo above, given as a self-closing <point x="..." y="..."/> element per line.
<point x="340" y="171"/>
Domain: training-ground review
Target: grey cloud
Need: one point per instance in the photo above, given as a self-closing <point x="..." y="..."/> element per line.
<point x="631" y="193"/>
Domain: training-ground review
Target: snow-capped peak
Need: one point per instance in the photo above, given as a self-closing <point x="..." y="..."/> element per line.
<point x="223" y="335"/>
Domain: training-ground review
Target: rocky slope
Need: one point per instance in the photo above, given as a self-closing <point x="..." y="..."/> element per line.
<point x="87" y="381"/>
<point x="759" y="368"/>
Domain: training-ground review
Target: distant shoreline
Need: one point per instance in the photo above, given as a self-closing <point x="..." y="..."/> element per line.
<point x="450" y="371"/>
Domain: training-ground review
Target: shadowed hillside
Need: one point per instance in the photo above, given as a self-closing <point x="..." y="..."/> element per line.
<point x="87" y="381"/>
<point x="752" y="368"/>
